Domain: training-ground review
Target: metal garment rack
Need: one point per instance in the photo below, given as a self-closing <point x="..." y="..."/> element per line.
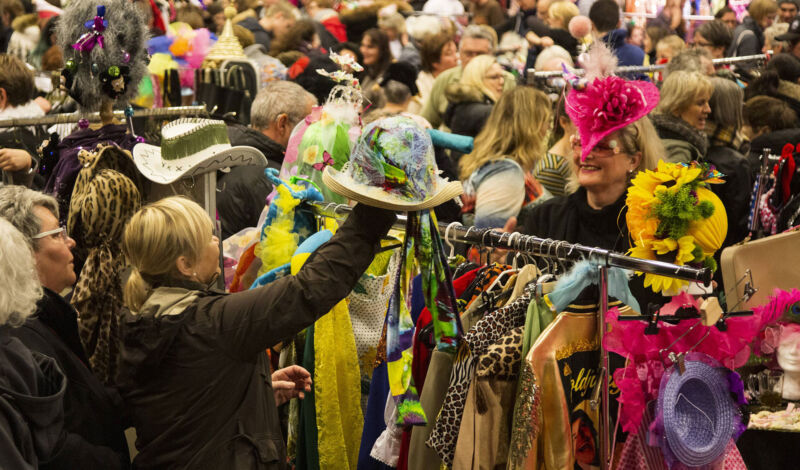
<point x="176" y="111"/>
<point x="560" y="250"/>
<point x="532" y="74"/>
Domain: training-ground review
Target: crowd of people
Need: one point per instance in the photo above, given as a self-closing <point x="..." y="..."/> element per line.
<point x="191" y="376"/>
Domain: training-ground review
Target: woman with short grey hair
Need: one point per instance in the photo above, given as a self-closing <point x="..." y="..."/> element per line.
<point x="31" y="402"/>
<point x="93" y="421"/>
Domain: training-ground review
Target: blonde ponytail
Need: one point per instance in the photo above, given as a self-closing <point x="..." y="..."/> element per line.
<point x="136" y="291"/>
<point x="156" y="236"/>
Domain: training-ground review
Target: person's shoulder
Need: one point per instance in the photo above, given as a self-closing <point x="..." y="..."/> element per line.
<point x="448" y="76"/>
<point x="540" y="218"/>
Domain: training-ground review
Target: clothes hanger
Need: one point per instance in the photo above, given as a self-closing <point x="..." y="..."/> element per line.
<point x="452" y="256"/>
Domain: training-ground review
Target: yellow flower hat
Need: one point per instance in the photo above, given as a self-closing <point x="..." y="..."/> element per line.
<point x="673" y="217"/>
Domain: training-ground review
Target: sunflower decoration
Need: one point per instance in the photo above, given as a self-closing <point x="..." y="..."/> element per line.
<point x="674" y="217"/>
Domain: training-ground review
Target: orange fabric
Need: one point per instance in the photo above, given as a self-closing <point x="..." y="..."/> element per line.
<point x="244" y="262"/>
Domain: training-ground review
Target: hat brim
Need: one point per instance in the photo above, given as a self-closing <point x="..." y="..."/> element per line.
<point x="590" y="138"/>
<point x="340" y="183"/>
<point x="149" y="162"/>
<point x="692" y="448"/>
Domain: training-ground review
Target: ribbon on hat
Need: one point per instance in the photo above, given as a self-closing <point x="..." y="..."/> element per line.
<point x="97" y="25"/>
<point x="422" y="248"/>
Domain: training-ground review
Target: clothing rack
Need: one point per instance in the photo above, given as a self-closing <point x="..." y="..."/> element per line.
<point x="176" y="111"/>
<point x="685" y="18"/>
<point x="559" y="250"/>
<point x="533" y="74"/>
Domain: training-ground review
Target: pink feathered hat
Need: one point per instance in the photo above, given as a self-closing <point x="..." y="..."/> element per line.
<point x="608" y="104"/>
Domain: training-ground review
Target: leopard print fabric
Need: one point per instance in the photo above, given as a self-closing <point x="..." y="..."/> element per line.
<point x="502" y="360"/>
<point x="487" y="331"/>
<point x="104" y="199"/>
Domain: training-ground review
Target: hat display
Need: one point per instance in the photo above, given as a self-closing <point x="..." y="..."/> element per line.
<point x="190" y="147"/>
<point x="696" y="413"/>
<point x="393" y="167"/>
<point x="105" y="51"/>
<point x="793" y="33"/>
<point x="673" y="216"/>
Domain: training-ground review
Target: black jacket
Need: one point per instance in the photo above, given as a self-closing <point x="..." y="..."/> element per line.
<point x="194" y="370"/>
<point x="93" y="413"/>
<point x="570" y="218"/>
<point x="242" y="192"/>
<point x="774" y="141"/>
<point x="467" y="111"/>
<point x="735" y="192"/>
<point x="561" y="37"/>
<point x="748" y="39"/>
<point x="31" y="406"/>
<point x="260" y="35"/>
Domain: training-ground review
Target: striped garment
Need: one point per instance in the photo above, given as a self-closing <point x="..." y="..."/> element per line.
<point x="553" y="172"/>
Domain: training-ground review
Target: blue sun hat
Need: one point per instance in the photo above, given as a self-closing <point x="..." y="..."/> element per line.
<point x="393" y="167"/>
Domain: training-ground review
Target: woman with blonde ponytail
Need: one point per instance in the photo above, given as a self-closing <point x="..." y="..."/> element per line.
<point x="194" y="371"/>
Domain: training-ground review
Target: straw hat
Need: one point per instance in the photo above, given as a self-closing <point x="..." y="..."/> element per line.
<point x="393" y="167"/>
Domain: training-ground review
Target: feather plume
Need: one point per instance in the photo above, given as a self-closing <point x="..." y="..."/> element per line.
<point x="599" y="62"/>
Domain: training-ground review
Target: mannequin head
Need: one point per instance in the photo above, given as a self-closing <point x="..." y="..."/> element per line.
<point x="788" y="352"/>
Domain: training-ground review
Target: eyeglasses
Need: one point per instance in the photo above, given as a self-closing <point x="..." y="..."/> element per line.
<point x="601" y="149"/>
<point x="494" y="77"/>
<point x="61" y="232"/>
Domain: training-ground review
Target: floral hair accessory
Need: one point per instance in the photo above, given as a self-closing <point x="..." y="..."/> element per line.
<point x="97" y="26"/>
<point x="674" y="217"/>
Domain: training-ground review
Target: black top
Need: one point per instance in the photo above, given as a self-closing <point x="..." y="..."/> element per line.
<point x="572" y="219"/>
<point x="242" y="191"/>
<point x="93" y="414"/>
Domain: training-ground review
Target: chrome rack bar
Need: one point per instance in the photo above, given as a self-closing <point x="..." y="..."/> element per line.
<point x="538" y="246"/>
<point x="531" y="73"/>
<point x="176" y="111"/>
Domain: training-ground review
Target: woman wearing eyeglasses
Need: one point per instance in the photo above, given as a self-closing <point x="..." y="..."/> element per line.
<point x="93" y="416"/>
<point x="613" y="142"/>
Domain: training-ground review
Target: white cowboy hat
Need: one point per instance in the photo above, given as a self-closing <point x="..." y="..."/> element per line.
<point x="191" y="147"/>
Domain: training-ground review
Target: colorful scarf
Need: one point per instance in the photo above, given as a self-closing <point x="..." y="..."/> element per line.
<point x="422" y="248"/>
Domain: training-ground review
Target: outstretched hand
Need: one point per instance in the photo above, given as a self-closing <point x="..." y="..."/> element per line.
<point x="290" y="382"/>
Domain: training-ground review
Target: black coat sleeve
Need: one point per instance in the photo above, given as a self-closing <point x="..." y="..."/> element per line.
<point x="249" y="322"/>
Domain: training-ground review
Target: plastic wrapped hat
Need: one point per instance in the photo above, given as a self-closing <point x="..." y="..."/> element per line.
<point x="673" y="216"/>
<point x="696" y="416"/>
<point x="393" y="167"/>
<point x="326" y="136"/>
<point x="318" y="141"/>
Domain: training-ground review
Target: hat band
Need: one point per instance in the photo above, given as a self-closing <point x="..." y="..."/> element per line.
<point x="192" y="143"/>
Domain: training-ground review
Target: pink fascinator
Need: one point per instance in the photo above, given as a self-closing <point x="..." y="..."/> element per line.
<point x="606" y="103"/>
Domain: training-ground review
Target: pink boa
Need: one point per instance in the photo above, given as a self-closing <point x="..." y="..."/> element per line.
<point x="639" y="381"/>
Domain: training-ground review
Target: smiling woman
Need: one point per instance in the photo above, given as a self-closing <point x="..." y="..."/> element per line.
<point x="615" y="140"/>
